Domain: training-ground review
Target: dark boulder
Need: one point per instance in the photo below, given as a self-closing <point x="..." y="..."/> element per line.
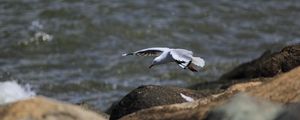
<point x="151" y="95"/>
<point x="268" y="65"/>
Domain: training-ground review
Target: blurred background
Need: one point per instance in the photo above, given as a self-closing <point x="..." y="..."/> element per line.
<point x="71" y="50"/>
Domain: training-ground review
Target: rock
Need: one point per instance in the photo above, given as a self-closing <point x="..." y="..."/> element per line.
<point x="290" y="112"/>
<point x="113" y="105"/>
<point x="89" y="107"/>
<point x="244" y="107"/>
<point x="211" y="87"/>
<point x="191" y="110"/>
<point x="182" y="111"/>
<point x="284" y="89"/>
<point x="41" y="108"/>
<point x="268" y="65"/>
<point x="148" y="96"/>
<point x="215" y="87"/>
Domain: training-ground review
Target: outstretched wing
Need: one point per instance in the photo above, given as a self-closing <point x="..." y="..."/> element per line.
<point x="182" y="57"/>
<point x="155" y="51"/>
<point x="183" y="51"/>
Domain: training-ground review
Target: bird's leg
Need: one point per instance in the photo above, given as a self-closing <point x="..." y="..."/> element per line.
<point x="151" y="66"/>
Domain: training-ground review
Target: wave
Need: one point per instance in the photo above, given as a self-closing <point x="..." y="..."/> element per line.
<point x="11" y="91"/>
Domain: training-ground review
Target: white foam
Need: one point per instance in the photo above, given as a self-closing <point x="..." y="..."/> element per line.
<point x="11" y="91"/>
<point x="36" y="25"/>
<point x="42" y="36"/>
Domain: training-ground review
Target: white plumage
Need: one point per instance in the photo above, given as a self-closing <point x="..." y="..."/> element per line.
<point x="184" y="58"/>
<point x="187" y="98"/>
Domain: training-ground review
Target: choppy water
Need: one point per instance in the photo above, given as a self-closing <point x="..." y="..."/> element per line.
<point x="71" y="50"/>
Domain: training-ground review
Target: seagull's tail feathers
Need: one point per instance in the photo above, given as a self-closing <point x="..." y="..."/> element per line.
<point x="198" y="61"/>
<point x="195" y="64"/>
<point x="126" y="54"/>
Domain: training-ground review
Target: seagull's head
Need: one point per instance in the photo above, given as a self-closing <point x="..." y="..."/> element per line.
<point x="154" y="62"/>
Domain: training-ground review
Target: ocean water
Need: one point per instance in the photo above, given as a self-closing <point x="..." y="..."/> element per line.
<point x="71" y="50"/>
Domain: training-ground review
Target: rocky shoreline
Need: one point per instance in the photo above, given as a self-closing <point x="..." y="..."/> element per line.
<point x="267" y="88"/>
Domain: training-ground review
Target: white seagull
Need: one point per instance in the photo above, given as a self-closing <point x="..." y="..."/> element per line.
<point x="184" y="58"/>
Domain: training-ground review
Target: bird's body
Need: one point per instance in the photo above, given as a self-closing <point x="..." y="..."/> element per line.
<point x="184" y="58"/>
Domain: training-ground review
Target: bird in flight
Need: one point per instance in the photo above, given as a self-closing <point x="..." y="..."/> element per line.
<point x="184" y="58"/>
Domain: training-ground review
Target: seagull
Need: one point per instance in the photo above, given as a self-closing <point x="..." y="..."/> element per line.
<point x="184" y="58"/>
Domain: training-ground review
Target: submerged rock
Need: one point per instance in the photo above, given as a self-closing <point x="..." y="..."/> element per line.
<point x="151" y="95"/>
<point x="40" y="108"/>
<point x="268" y="65"/>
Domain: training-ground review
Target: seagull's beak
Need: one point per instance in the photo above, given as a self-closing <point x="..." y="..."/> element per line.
<point x="151" y="66"/>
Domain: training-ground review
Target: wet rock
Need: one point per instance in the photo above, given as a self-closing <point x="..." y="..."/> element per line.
<point x="149" y="96"/>
<point x="40" y="108"/>
<point x="268" y="65"/>
<point x="244" y="107"/>
<point x="283" y="89"/>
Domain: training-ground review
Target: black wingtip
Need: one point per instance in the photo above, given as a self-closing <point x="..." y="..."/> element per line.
<point x="126" y="54"/>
